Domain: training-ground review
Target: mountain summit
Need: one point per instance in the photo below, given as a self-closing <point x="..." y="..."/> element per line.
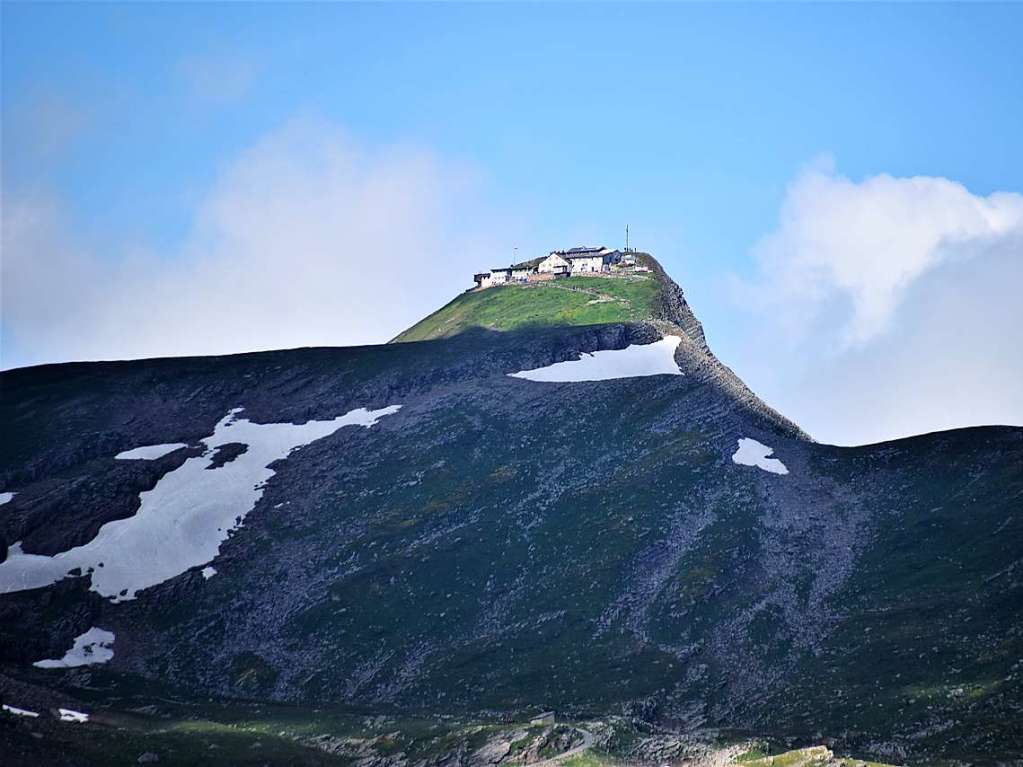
<point x="546" y="496"/>
<point x="643" y="293"/>
<point x="648" y="302"/>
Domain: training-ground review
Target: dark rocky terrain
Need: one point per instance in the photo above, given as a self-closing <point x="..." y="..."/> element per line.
<point x="500" y="546"/>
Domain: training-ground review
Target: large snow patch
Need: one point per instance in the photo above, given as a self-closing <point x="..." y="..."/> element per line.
<point x="653" y="359"/>
<point x="5" y="497"/>
<point x="753" y="453"/>
<point x="184" y="519"/>
<point x="94" y="646"/>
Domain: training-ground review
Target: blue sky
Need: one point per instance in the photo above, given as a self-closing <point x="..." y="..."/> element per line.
<point x="689" y="122"/>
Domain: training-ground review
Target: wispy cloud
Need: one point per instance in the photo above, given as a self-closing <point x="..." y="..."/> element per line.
<point x="218" y="78"/>
<point x="890" y="307"/>
<point x="40" y="129"/>
<point x="307" y="238"/>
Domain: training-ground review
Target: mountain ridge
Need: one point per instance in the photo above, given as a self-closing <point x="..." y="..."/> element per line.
<point x="499" y="546"/>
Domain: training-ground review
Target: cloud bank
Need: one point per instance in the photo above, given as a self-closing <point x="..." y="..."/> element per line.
<point x="879" y="309"/>
<point x="888" y="307"/>
<point x="307" y="238"/>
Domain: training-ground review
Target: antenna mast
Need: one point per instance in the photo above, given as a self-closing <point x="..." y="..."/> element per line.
<point x="626" y="238"/>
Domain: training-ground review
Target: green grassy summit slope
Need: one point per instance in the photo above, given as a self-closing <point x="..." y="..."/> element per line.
<point x="573" y="301"/>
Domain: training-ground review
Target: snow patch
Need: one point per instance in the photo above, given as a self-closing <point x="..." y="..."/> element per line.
<point x="5" y="497"/>
<point x="92" y="647"/>
<point x="68" y="715"/>
<point x="637" y="360"/>
<point x="753" y="453"/>
<point x="19" y="711"/>
<point x="184" y="519"/>
<point x="149" y="452"/>
<point x="208" y="572"/>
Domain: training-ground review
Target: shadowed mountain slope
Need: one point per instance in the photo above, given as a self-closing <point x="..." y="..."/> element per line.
<point x="506" y="545"/>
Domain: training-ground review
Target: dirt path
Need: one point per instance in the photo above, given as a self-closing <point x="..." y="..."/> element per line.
<point x="599" y="298"/>
<point x="587" y="742"/>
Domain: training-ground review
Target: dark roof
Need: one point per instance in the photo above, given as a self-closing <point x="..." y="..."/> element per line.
<point x="530" y="264"/>
<point x="582" y="252"/>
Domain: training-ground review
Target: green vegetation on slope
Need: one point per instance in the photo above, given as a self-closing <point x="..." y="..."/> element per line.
<point x="814" y="756"/>
<point x="236" y="733"/>
<point x="572" y="301"/>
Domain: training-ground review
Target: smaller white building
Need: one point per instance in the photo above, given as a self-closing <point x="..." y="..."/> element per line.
<point x="554" y="264"/>
<point x="492" y="278"/>
<point x="500" y="276"/>
<point x="587" y="264"/>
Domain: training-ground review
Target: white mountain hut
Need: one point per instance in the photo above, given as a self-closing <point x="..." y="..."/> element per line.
<point x="554" y="264"/>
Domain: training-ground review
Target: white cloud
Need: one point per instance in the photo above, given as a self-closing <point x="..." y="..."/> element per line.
<point x="888" y="307"/>
<point x="865" y="243"/>
<point x="307" y="238"/>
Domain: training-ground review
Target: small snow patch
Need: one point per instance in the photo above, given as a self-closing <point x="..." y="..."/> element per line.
<point x="90" y="648"/>
<point x="19" y="711"/>
<point x="149" y="452"/>
<point x="631" y="362"/>
<point x="68" y="715"/>
<point x="208" y="572"/>
<point x="5" y="497"/>
<point x="753" y="453"/>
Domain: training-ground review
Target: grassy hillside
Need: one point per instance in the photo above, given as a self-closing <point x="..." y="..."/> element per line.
<point x="573" y="301"/>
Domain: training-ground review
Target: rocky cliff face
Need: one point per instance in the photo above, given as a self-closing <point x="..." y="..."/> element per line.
<point x="671" y="305"/>
<point x="505" y="545"/>
<point x="696" y="357"/>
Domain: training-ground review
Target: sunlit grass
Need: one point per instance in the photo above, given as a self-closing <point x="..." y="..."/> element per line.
<point x="572" y="301"/>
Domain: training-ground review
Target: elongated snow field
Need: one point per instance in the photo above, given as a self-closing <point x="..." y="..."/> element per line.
<point x="633" y="361"/>
<point x="19" y="711"/>
<point x="184" y="519"/>
<point x="149" y="452"/>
